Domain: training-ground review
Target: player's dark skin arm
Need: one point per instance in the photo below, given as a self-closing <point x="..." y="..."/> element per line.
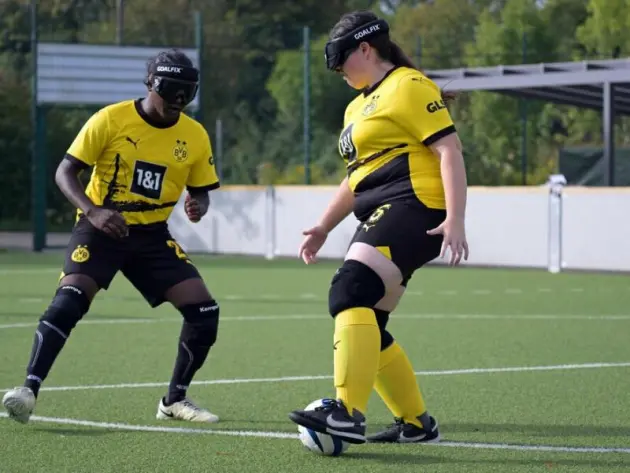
<point x="106" y="220"/>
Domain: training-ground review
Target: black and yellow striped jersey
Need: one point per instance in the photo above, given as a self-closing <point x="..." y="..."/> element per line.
<point x="141" y="167"/>
<point x="385" y="142"/>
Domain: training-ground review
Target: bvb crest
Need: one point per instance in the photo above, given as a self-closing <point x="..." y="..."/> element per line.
<point x="80" y="254"/>
<point x="180" y="151"/>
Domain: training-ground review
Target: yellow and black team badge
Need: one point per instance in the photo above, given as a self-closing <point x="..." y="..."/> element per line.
<point x="375" y="217"/>
<point x="370" y="107"/>
<point x="80" y="254"/>
<point x="180" y="152"/>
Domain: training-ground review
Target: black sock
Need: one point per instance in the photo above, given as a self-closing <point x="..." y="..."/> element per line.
<point x="192" y="352"/>
<point x="47" y="344"/>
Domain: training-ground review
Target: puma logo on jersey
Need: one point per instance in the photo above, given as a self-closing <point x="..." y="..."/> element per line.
<point x="433" y="107"/>
<point x="134" y="143"/>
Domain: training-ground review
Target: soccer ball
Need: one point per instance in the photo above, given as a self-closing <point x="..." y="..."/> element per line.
<point x="321" y="444"/>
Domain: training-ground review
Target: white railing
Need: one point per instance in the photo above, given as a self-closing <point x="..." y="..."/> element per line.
<point x="551" y="227"/>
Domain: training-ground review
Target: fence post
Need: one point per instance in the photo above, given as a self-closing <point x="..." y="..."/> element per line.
<point x="199" y="40"/>
<point x="270" y="219"/>
<point x="307" y="105"/>
<point x="218" y="148"/>
<point x="523" y="110"/>
<point x="120" y="21"/>
<point x="38" y="160"/>
<point x="556" y="185"/>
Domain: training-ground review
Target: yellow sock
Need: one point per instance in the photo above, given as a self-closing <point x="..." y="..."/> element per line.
<point x="357" y="350"/>
<point x="397" y="385"/>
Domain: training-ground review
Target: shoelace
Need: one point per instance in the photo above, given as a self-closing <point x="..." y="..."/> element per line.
<point x="328" y="405"/>
<point x="398" y="424"/>
<point x="192" y="405"/>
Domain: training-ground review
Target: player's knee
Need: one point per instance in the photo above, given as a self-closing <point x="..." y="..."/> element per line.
<point x="87" y="284"/>
<point x="68" y="306"/>
<point x="354" y="285"/>
<point x="382" y="317"/>
<point x="201" y="322"/>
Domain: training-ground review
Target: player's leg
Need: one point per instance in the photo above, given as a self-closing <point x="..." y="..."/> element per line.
<point x="197" y="336"/>
<point x="365" y="278"/>
<point x="163" y="272"/>
<point x="90" y="264"/>
<point x="396" y="382"/>
<point x="355" y="290"/>
<point x="397" y="385"/>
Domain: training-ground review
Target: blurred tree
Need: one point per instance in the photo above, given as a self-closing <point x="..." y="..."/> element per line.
<point x="517" y="35"/>
<point x="605" y="31"/>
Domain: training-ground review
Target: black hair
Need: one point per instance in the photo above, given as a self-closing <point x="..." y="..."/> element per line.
<point x="387" y="49"/>
<point x="169" y="57"/>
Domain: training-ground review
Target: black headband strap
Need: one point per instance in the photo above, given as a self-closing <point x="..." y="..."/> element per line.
<point x="335" y="48"/>
<point x="358" y="35"/>
<point x="175" y="71"/>
<point x="374" y="28"/>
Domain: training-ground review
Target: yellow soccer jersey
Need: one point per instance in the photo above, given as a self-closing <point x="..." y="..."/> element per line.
<point x="385" y="142"/>
<point x="140" y="167"/>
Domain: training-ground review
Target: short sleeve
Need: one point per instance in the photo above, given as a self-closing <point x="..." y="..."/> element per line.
<point x="91" y="140"/>
<point x="203" y="175"/>
<point x="421" y="110"/>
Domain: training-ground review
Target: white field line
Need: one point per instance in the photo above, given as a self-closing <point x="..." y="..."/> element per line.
<point x="324" y="317"/>
<point x="286" y="435"/>
<point x="285" y="379"/>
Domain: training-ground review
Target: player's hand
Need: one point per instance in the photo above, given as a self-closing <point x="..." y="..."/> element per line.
<point x="108" y="221"/>
<point x="314" y="239"/>
<point x="193" y="209"/>
<point x="454" y="233"/>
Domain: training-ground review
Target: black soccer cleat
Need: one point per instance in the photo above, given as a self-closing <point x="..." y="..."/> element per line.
<point x="402" y="432"/>
<point x="333" y="418"/>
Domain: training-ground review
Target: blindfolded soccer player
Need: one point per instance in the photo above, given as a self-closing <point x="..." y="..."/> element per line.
<point x="406" y="184"/>
<point x="144" y="153"/>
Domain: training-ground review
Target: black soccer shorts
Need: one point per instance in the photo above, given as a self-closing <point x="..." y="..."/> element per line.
<point x="148" y="257"/>
<point x="401" y="227"/>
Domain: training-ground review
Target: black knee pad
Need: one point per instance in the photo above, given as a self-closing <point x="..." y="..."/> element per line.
<point x="354" y="285"/>
<point x="382" y="317"/>
<point x="201" y="323"/>
<point x="68" y="306"/>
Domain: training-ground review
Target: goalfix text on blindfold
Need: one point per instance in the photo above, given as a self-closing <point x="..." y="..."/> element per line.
<point x="173" y="82"/>
<point x="338" y="50"/>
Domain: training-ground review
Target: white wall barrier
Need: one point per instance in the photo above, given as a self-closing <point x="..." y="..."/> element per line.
<point x="572" y="228"/>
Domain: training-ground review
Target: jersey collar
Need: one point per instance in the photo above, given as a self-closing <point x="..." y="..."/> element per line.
<point x="148" y="119"/>
<point x="368" y="90"/>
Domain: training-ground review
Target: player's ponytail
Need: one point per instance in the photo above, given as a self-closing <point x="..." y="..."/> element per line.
<point x="398" y="58"/>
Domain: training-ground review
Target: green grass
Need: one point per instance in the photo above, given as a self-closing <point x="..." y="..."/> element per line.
<point x="449" y="320"/>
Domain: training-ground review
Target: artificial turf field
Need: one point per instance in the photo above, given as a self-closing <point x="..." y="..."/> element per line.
<point x="525" y="371"/>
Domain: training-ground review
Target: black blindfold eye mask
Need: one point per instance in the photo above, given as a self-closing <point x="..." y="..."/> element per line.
<point x="175" y="83"/>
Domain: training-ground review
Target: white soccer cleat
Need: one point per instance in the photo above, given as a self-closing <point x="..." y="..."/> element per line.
<point x="19" y="403"/>
<point x="185" y="410"/>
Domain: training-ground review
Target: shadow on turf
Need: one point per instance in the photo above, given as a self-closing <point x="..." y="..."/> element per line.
<point x="138" y="298"/>
<point x="418" y="458"/>
<point x="69" y="432"/>
<point x="540" y="430"/>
